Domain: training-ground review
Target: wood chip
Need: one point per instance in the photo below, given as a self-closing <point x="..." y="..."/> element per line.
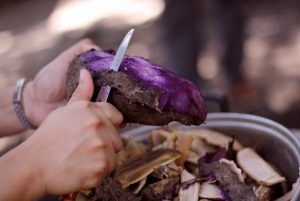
<point x="214" y="138"/>
<point x="210" y="191"/>
<point x="257" y="168"/>
<point x="192" y="192"/>
<point x="141" y="167"/>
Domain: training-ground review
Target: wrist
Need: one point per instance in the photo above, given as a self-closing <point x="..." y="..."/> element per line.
<point x="28" y="156"/>
<point x="19" y="163"/>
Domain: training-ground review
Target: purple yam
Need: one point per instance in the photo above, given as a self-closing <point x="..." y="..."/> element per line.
<point x="144" y="92"/>
<point x="233" y="189"/>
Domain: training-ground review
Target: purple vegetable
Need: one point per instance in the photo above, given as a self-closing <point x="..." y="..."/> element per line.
<point x="233" y="189"/>
<point x="144" y="92"/>
<point x="215" y="156"/>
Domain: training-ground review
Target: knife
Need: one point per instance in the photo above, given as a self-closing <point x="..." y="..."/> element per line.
<point x="105" y="90"/>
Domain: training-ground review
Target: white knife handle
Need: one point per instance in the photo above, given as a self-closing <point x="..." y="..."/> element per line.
<point x="103" y="94"/>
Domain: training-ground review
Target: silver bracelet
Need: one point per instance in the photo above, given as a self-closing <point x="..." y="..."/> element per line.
<point x="18" y="104"/>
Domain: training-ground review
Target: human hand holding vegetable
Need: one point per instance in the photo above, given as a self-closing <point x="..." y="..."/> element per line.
<point x="47" y="91"/>
<point x="73" y="149"/>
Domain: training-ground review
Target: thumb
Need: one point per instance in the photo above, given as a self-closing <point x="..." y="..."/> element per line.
<point x="85" y="88"/>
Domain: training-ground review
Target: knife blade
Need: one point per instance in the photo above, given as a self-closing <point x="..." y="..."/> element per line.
<point x="105" y="90"/>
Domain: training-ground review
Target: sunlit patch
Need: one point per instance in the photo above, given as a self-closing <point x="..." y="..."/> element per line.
<point x="78" y="14"/>
<point x="283" y="95"/>
<point x="255" y="51"/>
<point x="39" y="39"/>
<point x="286" y="59"/>
<point x="256" y="48"/>
<point x="208" y="66"/>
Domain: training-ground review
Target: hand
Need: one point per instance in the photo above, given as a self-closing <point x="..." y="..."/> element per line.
<point x="75" y="146"/>
<point x="48" y="89"/>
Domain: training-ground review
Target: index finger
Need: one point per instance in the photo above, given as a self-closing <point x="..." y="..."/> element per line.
<point x="111" y="112"/>
<point x="82" y="46"/>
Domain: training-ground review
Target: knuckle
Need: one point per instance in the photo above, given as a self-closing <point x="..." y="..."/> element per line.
<point x="119" y="145"/>
<point x="93" y="122"/>
<point x="85" y="104"/>
<point x="116" y="140"/>
<point x="99" y="144"/>
<point x="90" y="119"/>
<point x="82" y="104"/>
<point x="102" y="145"/>
<point x="105" y="106"/>
<point x="112" y="113"/>
<point x="97" y="171"/>
<point x="101" y="169"/>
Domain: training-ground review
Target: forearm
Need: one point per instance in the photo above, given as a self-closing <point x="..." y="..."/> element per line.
<point x="19" y="178"/>
<point x="9" y="122"/>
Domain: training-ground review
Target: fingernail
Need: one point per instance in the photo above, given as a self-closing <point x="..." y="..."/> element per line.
<point x="95" y="47"/>
<point x="81" y="75"/>
<point x="89" y="47"/>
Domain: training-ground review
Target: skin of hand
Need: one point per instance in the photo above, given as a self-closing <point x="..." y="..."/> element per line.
<point x="47" y="91"/>
<point x="73" y="149"/>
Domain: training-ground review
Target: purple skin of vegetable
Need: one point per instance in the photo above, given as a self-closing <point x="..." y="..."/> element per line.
<point x="178" y="95"/>
<point x="229" y="183"/>
<point x="214" y="157"/>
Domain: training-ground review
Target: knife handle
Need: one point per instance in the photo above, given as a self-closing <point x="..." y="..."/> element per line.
<point x="103" y="94"/>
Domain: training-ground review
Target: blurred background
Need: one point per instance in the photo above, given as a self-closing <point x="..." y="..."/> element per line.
<point x="247" y="51"/>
